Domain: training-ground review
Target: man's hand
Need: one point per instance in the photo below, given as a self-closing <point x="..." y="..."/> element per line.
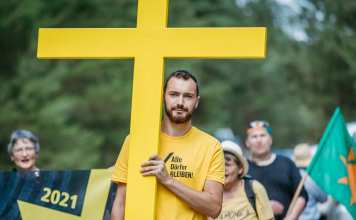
<point x="277" y="207"/>
<point x="289" y="218"/>
<point x="155" y="166"/>
<point x="208" y="202"/>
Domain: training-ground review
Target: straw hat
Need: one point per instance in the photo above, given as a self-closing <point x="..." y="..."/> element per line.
<point x="235" y="149"/>
<point x="302" y="155"/>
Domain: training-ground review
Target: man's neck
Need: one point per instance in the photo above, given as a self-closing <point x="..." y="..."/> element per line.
<point x="173" y="129"/>
<point x="264" y="160"/>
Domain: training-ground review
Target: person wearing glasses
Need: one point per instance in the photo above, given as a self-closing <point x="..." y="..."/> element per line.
<point x="278" y="174"/>
<point x="23" y="150"/>
<point x="189" y="167"/>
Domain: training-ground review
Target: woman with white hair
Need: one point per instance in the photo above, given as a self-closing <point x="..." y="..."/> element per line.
<point x="23" y="150"/>
<point x="243" y="198"/>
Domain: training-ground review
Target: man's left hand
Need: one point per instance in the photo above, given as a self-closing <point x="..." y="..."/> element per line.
<point x="155" y="166"/>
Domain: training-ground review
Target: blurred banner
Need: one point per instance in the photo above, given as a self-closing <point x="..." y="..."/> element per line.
<point x="64" y="195"/>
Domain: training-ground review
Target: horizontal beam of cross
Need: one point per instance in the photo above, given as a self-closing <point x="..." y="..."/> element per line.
<point x="116" y="43"/>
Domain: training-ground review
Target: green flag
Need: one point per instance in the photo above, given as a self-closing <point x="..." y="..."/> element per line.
<point x="333" y="167"/>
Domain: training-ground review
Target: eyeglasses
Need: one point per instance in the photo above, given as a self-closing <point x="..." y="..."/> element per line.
<point x="24" y="149"/>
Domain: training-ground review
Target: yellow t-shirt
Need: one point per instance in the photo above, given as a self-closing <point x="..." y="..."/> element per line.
<point x="196" y="157"/>
<point x="239" y="208"/>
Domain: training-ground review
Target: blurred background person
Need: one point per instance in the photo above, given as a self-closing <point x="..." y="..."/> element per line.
<point x="278" y="174"/>
<point x="302" y="155"/>
<point x="333" y="210"/>
<point x="23" y="150"/>
<point x="238" y="203"/>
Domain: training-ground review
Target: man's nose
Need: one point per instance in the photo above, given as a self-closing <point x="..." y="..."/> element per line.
<point x="259" y="138"/>
<point x="181" y="100"/>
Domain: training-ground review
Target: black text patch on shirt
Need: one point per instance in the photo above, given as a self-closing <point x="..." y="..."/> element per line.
<point x="178" y="169"/>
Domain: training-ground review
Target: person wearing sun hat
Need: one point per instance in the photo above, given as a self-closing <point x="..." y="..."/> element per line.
<point x="302" y="156"/>
<point x="236" y="204"/>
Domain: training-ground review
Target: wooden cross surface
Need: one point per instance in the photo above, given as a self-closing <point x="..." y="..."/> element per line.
<point x="149" y="44"/>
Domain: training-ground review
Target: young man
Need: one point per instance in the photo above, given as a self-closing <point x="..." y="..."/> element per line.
<point x="190" y="180"/>
<point x="278" y="174"/>
<point x="23" y="150"/>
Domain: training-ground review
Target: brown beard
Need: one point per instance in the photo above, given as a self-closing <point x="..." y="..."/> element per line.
<point x="179" y="119"/>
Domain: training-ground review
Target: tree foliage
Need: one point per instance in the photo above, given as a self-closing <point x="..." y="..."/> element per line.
<point x="81" y="109"/>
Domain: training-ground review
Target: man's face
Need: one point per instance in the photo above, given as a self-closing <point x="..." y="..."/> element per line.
<point x="24" y="155"/>
<point x="259" y="141"/>
<point x="180" y="100"/>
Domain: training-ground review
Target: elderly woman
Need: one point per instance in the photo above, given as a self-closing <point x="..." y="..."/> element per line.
<point x="23" y="150"/>
<point x="243" y="198"/>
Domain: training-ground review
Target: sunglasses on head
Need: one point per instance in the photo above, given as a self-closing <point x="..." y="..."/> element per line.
<point x="255" y="124"/>
<point x="260" y="124"/>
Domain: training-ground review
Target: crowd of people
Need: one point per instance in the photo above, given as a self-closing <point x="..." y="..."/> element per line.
<point x="201" y="178"/>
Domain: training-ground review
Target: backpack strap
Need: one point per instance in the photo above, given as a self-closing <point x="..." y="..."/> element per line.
<point x="251" y="196"/>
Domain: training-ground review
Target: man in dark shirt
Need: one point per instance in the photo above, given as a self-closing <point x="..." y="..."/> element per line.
<point x="278" y="174"/>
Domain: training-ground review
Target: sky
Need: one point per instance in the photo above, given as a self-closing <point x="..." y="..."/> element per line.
<point x="291" y="8"/>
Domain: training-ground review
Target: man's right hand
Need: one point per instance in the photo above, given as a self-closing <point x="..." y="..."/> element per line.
<point x="277" y="207"/>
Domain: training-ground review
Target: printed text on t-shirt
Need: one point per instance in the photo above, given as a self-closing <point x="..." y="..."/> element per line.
<point x="178" y="169"/>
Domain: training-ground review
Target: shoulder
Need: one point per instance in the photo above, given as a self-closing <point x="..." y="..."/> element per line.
<point x="261" y="193"/>
<point x="284" y="159"/>
<point x="257" y="186"/>
<point x="198" y="133"/>
<point x="125" y="144"/>
<point x="127" y="138"/>
<point x="288" y="165"/>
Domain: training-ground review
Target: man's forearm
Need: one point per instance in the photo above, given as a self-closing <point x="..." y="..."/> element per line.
<point x="203" y="202"/>
<point x="118" y="208"/>
<point x="297" y="209"/>
<point x="117" y="212"/>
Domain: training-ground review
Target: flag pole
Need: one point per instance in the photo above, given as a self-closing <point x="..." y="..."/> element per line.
<point x="296" y="194"/>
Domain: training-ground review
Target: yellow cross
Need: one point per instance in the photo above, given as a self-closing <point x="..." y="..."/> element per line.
<point x="149" y="44"/>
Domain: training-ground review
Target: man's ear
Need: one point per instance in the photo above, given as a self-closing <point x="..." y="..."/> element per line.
<point x="12" y="158"/>
<point x="197" y="103"/>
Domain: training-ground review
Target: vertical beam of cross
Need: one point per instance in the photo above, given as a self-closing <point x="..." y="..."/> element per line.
<point x="149" y="44"/>
<point x="146" y="106"/>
